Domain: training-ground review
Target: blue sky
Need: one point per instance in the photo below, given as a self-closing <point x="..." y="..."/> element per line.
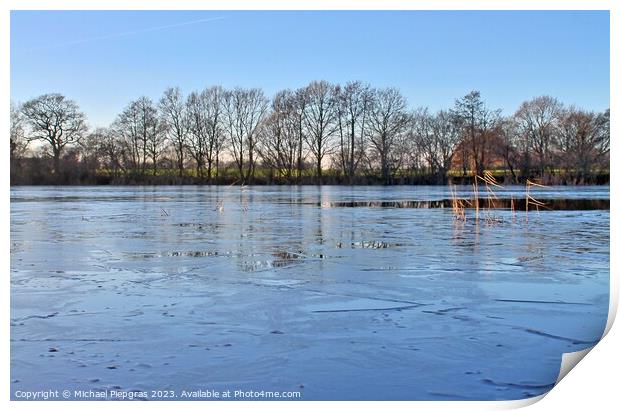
<point x="104" y="59"/>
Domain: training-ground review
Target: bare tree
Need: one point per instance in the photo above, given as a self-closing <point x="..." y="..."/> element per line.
<point x="478" y="123"/>
<point x="537" y="122"/>
<point x="139" y="127"/>
<point x="506" y="147"/>
<point x="213" y="100"/>
<point x="583" y="140"/>
<point x="423" y="138"/>
<point x="387" y="122"/>
<point x="408" y="149"/>
<point x="320" y="122"/>
<point x="18" y="141"/>
<point x="112" y="151"/>
<point x="244" y="110"/>
<point x="467" y="111"/>
<point x="447" y="137"/>
<point x="198" y="124"/>
<point x="438" y="137"/>
<point x="490" y="126"/>
<point x="173" y="114"/>
<point x="101" y="153"/>
<point x="301" y="102"/>
<point x="352" y="107"/>
<point x="155" y="133"/>
<point x="278" y="146"/>
<point x="56" y="120"/>
<point x="206" y="129"/>
<point x="206" y="126"/>
<point x="127" y="128"/>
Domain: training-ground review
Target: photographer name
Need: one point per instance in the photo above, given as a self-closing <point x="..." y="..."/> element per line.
<point x="200" y="394"/>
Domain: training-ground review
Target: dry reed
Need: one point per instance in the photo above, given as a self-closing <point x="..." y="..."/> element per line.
<point x="458" y="207"/>
<point x="531" y="200"/>
<point x="490" y="183"/>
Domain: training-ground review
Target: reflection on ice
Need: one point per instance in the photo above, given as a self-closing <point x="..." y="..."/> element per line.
<point x="552" y="204"/>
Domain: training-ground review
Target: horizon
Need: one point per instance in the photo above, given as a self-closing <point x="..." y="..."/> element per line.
<point x="144" y="52"/>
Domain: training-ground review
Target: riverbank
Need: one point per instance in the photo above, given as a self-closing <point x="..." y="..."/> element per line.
<point x="36" y="174"/>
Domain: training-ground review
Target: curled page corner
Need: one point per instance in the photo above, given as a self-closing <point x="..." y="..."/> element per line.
<point x="569" y="361"/>
<point x="522" y="403"/>
<point x="613" y="305"/>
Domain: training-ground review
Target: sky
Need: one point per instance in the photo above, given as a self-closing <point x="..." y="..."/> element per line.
<point x="105" y="59"/>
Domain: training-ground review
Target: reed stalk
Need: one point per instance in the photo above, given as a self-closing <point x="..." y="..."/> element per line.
<point x="476" y="204"/>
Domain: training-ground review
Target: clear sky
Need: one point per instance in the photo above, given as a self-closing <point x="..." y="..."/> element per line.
<point x="104" y="59"/>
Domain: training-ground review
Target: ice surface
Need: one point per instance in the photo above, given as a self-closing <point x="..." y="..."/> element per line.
<point x="161" y="288"/>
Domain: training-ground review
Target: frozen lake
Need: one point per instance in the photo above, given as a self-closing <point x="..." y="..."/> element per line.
<point x="336" y="292"/>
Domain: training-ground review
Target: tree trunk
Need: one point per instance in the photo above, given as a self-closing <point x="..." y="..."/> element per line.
<point x="57" y="164"/>
<point x="299" y="155"/>
<point x="385" y="172"/>
<point x="181" y="170"/>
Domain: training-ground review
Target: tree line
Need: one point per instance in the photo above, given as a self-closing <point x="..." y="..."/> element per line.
<point x="319" y="134"/>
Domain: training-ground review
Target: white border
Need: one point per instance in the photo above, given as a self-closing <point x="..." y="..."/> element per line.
<point x="593" y="386"/>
